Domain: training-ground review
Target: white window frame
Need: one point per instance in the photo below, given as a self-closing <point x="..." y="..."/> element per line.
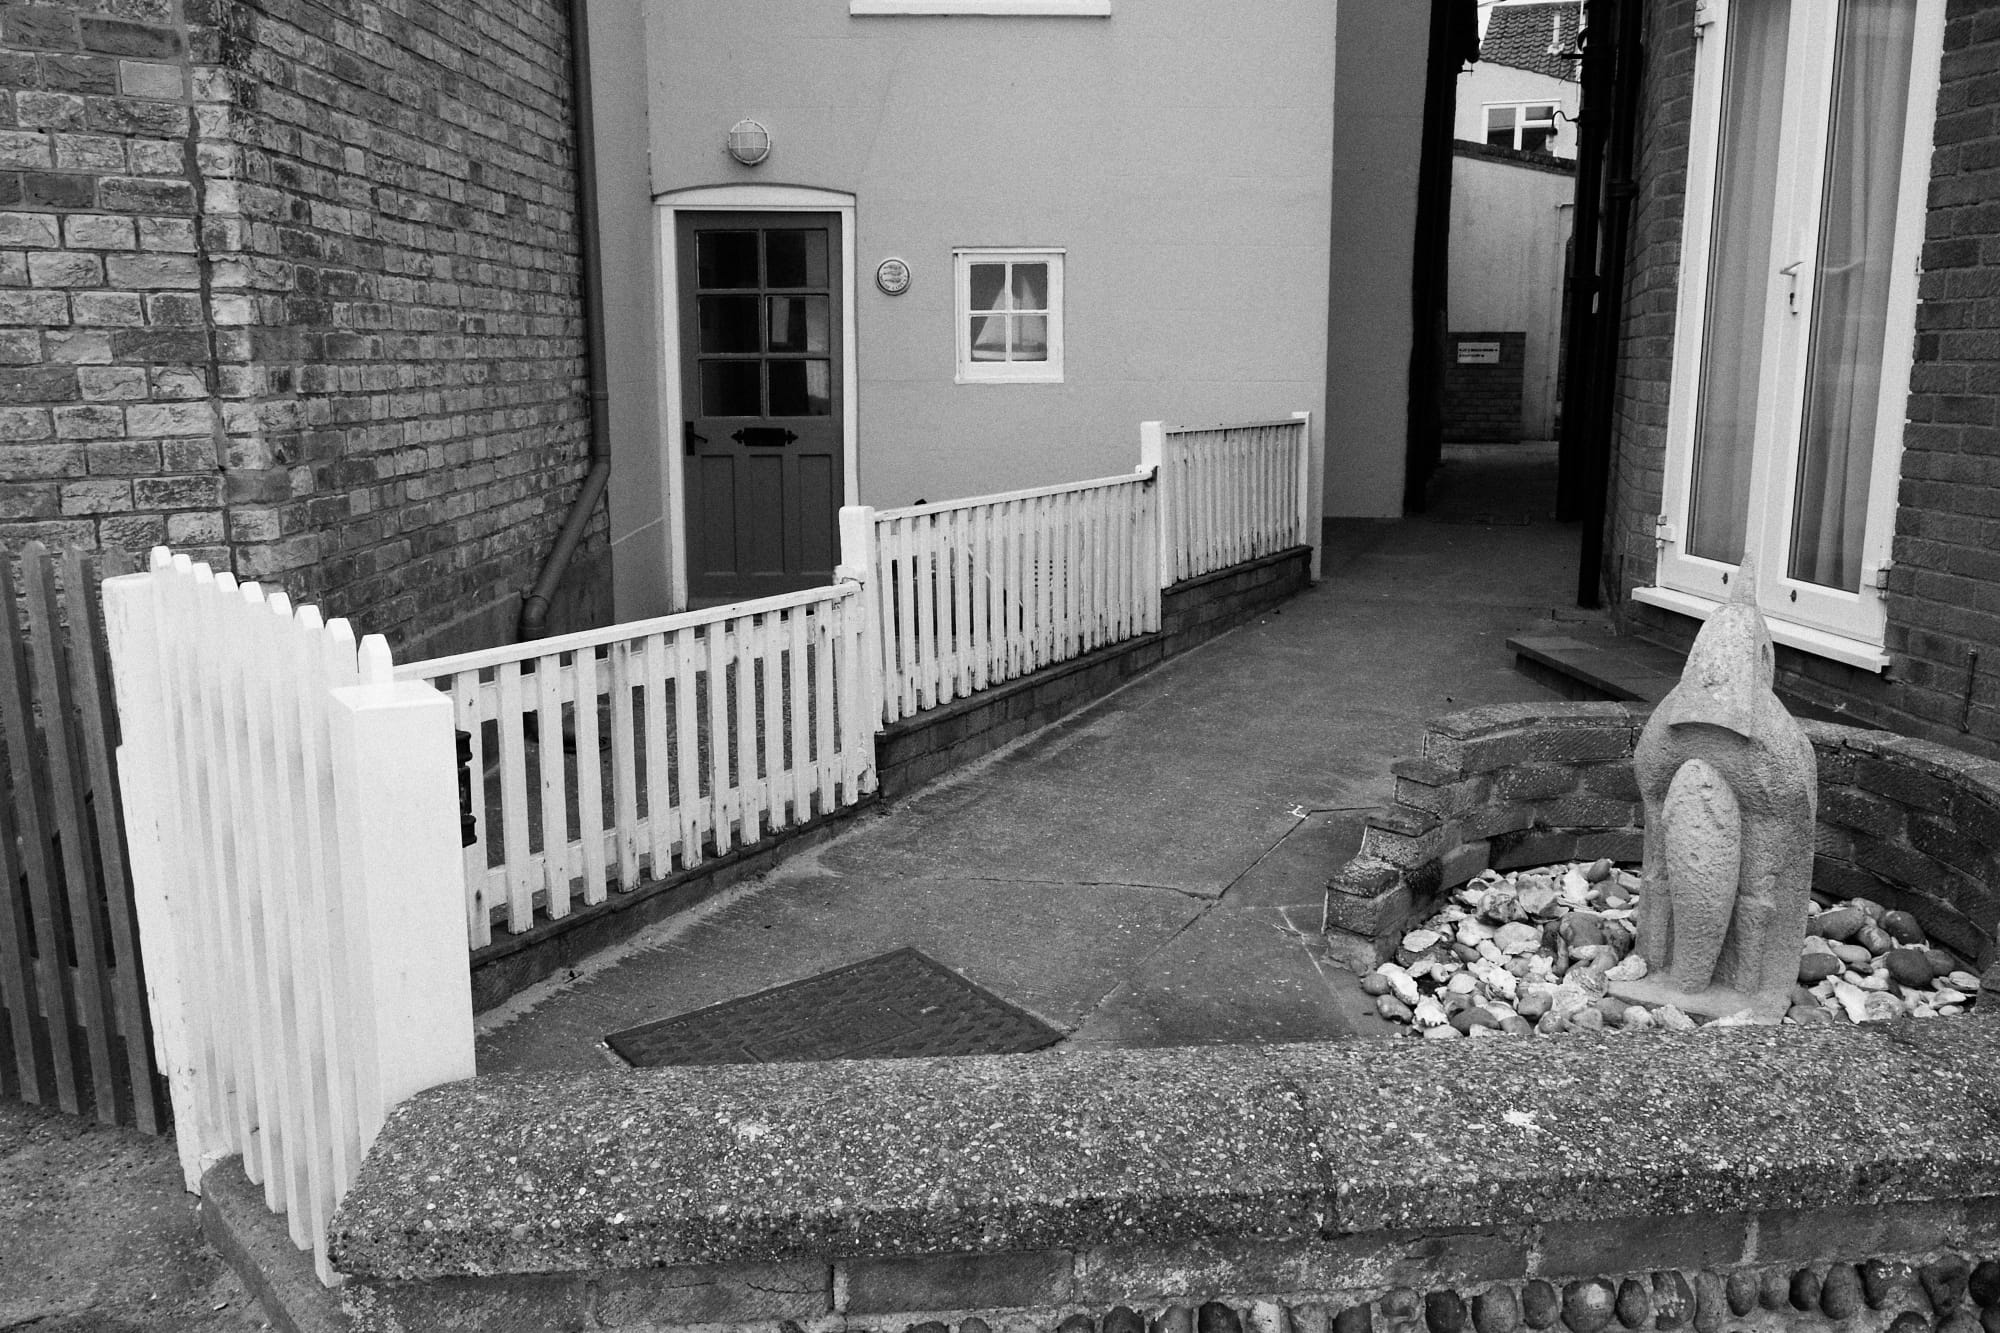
<point x="1004" y="8"/>
<point x="1048" y="371"/>
<point x="1844" y="626"/>
<point x="1522" y="124"/>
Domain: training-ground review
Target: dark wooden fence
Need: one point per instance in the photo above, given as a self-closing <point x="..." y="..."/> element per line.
<point x="73" y="1029"/>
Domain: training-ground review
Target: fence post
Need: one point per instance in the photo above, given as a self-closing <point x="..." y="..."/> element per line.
<point x="396" y="790"/>
<point x="1153" y="458"/>
<point x="860" y="563"/>
<point x="132" y="625"/>
<point x="1308" y="533"/>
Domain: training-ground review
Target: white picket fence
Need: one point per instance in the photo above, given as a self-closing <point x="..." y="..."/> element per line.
<point x="1229" y="494"/>
<point x="595" y="760"/>
<point x="292" y="815"/>
<point x="633" y="752"/>
<point x="971" y="593"/>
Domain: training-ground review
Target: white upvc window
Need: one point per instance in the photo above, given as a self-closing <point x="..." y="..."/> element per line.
<point x="1528" y="126"/>
<point x="1808" y="167"/>
<point x="1016" y="8"/>
<point x="1009" y="311"/>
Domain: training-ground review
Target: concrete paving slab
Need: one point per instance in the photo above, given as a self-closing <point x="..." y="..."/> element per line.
<point x="1055" y="949"/>
<point x="1148" y="870"/>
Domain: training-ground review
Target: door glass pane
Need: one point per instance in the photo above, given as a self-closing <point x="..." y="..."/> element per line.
<point x="987" y="280"/>
<point x="801" y="388"/>
<point x="730" y="389"/>
<point x="795" y="258"/>
<point x="1031" y="338"/>
<point x="729" y="324"/>
<point x="1850" y="311"/>
<point x="725" y="259"/>
<point x="798" y="323"/>
<point x="1739" y="278"/>
<point x="1031" y="286"/>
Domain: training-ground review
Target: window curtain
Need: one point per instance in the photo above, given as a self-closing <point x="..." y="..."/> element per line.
<point x="1851" y="289"/>
<point x="1739" y="276"/>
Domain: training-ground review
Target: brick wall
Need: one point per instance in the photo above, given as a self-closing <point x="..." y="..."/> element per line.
<point x="1944" y="592"/>
<point x="1482" y="400"/>
<point x="108" y="434"/>
<point x="295" y="287"/>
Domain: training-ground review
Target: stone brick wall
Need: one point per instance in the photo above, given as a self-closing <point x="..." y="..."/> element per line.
<point x="295" y="288"/>
<point x="1909" y="823"/>
<point x="1482" y="400"/>
<point x="1944" y="628"/>
<point x="108" y="431"/>
<point x="401" y="311"/>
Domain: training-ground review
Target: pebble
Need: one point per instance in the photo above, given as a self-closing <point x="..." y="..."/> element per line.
<point x="1910" y="967"/>
<point x="1840" y="1292"/>
<point x="1445" y="1312"/>
<point x="1710" y="1308"/>
<point x="1539" y="1304"/>
<point x="1673" y="1300"/>
<point x="1805" y="1290"/>
<point x="1355" y="1319"/>
<point x="1909" y="1322"/>
<point x="1984" y="1283"/>
<point x="1495" y="1310"/>
<point x="1902" y="927"/>
<point x="1740" y="1289"/>
<point x="1673" y="1019"/>
<point x="1486" y="963"/>
<point x="1774" y="1289"/>
<point x="1635" y="1303"/>
<point x="1841" y="923"/>
<point x="1587" y="1307"/>
<point x="1945" y="1281"/>
<point x="1880" y="1278"/>
<point x="1392" y="1009"/>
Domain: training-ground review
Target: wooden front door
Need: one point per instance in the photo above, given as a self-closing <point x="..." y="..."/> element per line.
<point x="760" y="298"/>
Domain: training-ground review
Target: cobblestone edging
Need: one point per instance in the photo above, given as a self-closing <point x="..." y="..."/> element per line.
<point x="1942" y="1290"/>
<point x="1909" y="823"/>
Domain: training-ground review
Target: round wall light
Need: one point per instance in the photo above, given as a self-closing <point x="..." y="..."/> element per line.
<point x="749" y="142"/>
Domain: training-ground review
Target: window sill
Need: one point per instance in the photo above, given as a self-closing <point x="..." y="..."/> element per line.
<point x="963" y="378"/>
<point x="1818" y="642"/>
<point x="1018" y="8"/>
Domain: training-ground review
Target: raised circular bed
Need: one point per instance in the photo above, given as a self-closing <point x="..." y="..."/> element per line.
<point x="1906" y="823"/>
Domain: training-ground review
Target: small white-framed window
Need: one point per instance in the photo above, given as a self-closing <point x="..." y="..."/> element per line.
<point x="1009" y="312"/>
<point x="1527" y="126"/>
<point x="1004" y="8"/>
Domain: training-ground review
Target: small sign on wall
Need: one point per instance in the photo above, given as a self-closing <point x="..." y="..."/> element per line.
<point x="1479" y="354"/>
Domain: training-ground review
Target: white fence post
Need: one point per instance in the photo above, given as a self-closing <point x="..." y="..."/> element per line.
<point x="396" y="790"/>
<point x="1152" y="458"/>
<point x="132" y="620"/>
<point x="1308" y="530"/>
<point x="860" y="562"/>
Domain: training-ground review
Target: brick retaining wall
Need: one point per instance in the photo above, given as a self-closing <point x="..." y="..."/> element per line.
<point x="1909" y="823"/>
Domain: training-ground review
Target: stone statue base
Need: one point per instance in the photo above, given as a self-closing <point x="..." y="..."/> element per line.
<point x="1711" y="1002"/>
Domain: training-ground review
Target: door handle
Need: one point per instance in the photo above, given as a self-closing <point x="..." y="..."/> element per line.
<point x="689" y="438"/>
<point x="1791" y="271"/>
<point x="764" y="437"/>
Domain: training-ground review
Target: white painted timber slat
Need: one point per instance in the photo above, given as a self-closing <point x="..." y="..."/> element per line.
<point x="554" y="785"/>
<point x="695" y="813"/>
<point x="514" y="797"/>
<point x="725" y="799"/>
<point x="587" y="674"/>
<point x="624" y="765"/>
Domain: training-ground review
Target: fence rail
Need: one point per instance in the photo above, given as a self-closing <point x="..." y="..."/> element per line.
<point x="74" y="1031"/>
<point x="604" y="758"/>
<point x="972" y="593"/>
<point x="289" y="809"/>
<point x="1230" y="493"/>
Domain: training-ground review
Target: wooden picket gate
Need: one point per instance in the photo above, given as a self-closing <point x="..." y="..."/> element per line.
<point x="74" y="1031"/>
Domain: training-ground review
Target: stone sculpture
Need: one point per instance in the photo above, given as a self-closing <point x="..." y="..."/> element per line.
<point x="1730" y="790"/>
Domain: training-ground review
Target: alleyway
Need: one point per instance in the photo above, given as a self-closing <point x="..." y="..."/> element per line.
<point x="1149" y="871"/>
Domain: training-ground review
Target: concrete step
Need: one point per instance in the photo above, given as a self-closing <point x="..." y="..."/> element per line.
<point x="1582" y="661"/>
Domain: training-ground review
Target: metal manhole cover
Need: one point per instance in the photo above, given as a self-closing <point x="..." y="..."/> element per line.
<point x="894" y="1006"/>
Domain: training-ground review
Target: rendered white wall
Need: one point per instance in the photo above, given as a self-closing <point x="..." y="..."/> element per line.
<point x="1509" y="226"/>
<point x="1178" y="150"/>
<point x="1378" y="141"/>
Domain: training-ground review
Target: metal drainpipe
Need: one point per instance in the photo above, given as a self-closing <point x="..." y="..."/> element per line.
<point x="535" y="606"/>
<point x="1621" y="194"/>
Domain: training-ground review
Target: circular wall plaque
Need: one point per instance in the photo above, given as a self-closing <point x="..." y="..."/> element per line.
<point x="893" y="276"/>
